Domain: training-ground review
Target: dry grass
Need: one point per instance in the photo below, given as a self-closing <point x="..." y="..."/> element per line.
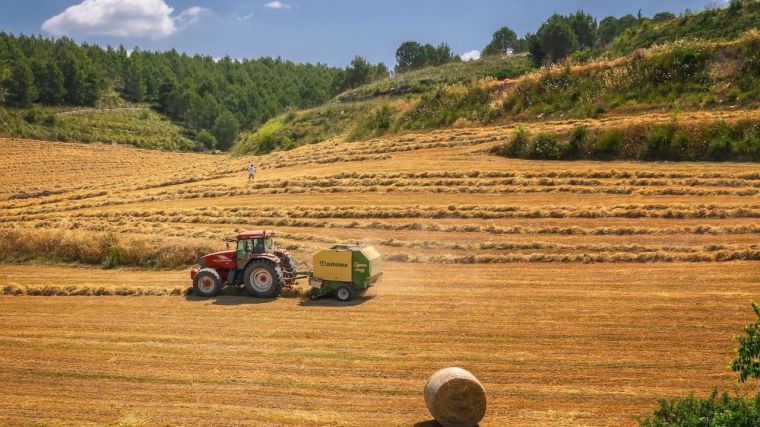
<point x="553" y="345"/>
<point x="578" y="292"/>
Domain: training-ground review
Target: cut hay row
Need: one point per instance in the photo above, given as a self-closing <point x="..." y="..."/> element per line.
<point x="510" y="181"/>
<point x="565" y="173"/>
<point x="83" y="290"/>
<point x="51" y="207"/>
<point x="471" y="228"/>
<point x="477" y="189"/>
<point x="584" y="258"/>
<point x="14" y="289"/>
<point x="182" y="227"/>
<point x="543" y="245"/>
<point x="244" y="215"/>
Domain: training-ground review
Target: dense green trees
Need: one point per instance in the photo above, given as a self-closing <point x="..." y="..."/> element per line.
<point x="611" y="27"/>
<point x="19" y="86"/>
<point x="504" y="41"/>
<point x="562" y="35"/>
<point x="226" y="129"/>
<point x="412" y="56"/>
<point x="219" y="96"/>
<point x="358" y="73"/>
<point x="49" y="80"/>
<point x="555" y="39"/>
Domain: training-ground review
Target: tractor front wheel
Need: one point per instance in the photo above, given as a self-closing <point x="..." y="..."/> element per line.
<point x="344" y="293"/>
<point x="263" y="279"/>
<point x="207" y="283"/>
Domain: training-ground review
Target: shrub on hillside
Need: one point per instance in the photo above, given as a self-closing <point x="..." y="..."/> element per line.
<point x="689" y="72"/>
<point x="576" y="143"/>
<point x="376" y="123"/>
<point x="519" y="144"/>
<point x="206" y="139"/>
<point x="545" y="146"/>
<point x="713" y="141"/>
<point x="446" y="105"/>
<point x="658" y="142"/>
<point x="608" y="144"/>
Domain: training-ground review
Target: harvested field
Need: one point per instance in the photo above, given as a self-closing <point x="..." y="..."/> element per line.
<point x="578" y="293"/>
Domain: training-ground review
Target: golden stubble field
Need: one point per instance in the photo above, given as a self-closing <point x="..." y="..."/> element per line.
<point x="579" y="292"/>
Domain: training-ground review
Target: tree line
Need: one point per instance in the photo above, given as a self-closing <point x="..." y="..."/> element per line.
<point x="213" y="99"/>
<point x="556" y="38"/>
<point x="562" y="35"/>
<point x="412" y="55"/>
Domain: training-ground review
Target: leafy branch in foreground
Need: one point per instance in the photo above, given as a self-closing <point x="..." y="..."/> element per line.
<point x="719" y="410"/>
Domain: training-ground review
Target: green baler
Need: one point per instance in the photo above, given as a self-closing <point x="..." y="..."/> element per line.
<point x="345" y="270"/>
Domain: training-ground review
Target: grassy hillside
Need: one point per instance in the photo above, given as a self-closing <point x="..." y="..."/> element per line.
<point x="137" y="125"/>
<point x="427" y="79"/>
<point x="713" y="23"/>
<point x="678" y="76"/>
<point x="405" y="101"/>
<point x="682" y="74"/>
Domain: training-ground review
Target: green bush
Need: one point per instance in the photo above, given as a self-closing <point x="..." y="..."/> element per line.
<point x="748" y="148"/>
<point x="747" y="361"/>
<point x="681" y="147"/>
<point x="720" y="139"/>
<point x="577" y="140"/>
<point x="659" y="142"/>
<point x="714" y="411"/>
<point x="206" y="139"/>
<point x="377" y="123"/>
<point x="32" y="115"/>
<point x="519" y="144"/>
<point x="444" y="106"/>
<point x="723" y="410"/>
<point x="545" y="146"/>
<point x="608" y="144"/>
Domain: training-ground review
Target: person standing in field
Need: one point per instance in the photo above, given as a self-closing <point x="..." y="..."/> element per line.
<point x="251" y="172"/>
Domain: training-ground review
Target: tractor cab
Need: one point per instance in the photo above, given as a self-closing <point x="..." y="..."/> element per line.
<point x="251" y="244"/>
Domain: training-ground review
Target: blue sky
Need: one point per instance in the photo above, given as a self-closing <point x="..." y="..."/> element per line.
<point x="328" y="31"/>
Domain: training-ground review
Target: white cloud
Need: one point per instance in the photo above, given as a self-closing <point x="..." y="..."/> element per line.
<point x="471" y="55"/>
<point x="276" y="4"/>
<point x="243" y="18"/>
<point x="121" y="18"/>
<point x="189" y="17"/>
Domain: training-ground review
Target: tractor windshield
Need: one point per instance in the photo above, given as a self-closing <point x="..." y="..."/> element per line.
<point x="268" y="244"/>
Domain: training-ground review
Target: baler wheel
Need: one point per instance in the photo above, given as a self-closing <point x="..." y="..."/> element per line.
<point x="344" y="293"/>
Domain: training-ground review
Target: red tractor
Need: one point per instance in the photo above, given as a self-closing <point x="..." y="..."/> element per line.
<point x="255" y="263"/>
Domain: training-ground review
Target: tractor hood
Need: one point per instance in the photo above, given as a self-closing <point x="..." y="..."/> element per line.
<point x="224" y="259"/>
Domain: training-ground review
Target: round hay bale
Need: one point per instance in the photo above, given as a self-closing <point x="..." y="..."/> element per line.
<point x="455" y="398"/>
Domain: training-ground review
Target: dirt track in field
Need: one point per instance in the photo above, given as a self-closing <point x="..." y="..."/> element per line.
<point x="561" y="285"/>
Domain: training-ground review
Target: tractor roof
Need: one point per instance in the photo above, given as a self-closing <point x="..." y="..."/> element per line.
<point x="257" y="234"/>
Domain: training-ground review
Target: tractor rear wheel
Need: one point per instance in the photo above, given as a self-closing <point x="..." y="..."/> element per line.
<point x="263" y="279"/>
<point x="344" y="293"/>
<point x="207" y="283"/>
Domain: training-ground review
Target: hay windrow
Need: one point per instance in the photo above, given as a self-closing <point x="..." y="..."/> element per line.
<point x="91" y="291"/>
